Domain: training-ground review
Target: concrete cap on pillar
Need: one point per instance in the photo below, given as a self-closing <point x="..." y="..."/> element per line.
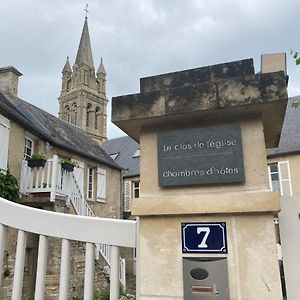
<point x="222" y="91"/>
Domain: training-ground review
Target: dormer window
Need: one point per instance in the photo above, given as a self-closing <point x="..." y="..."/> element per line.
<point x="136" y="153"/>
<point x="114" y="155"/>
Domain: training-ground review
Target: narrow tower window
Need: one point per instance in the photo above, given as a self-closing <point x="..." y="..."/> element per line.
<point x="68" y="85"/>
<point x="74" y="121"/>
<point x="88" y="115"/>
<point x="67" y="113"/>
<point x="97" y="117"/>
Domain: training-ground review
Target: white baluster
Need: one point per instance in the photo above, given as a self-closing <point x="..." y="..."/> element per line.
<point x="54" y="178"/>
<point x="114" y="273"/>
<point x="43" y="177"/>
<point x="89" y="271"/>
<point x="64" y="270"/>
<point x="2" y="247"/>
<point x="37" y="177"/>
<point x="41" y="268"/>
<point x="49" y="166"/>
<point x="19" y="266"/>
<point x="31" y="178"/>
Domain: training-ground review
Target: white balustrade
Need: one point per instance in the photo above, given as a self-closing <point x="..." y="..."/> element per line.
<point x="117" y="233"/>
<point x="52" y="179"/>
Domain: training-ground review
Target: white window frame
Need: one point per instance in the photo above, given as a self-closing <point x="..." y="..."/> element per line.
<point x="5" y="144"/>
<point x="279" y="164"/>
<point x="88" y="183"/>
<point x="133" y="182"/>
<point x="101" y="185"/>
<point x="25" y="156"/>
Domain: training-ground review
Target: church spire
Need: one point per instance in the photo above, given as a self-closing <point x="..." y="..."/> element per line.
<point x="101" y="69"/>
<point x="67" y="67"/>
<point x="84" y="53"/>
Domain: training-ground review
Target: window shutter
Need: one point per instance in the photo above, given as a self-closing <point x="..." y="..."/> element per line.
<point x="79" y="174"/>
<point x="101" y="184"/>
<point x="4" y="138"/>
<point x="127" y="196"/>
<point x="284" y="177"/>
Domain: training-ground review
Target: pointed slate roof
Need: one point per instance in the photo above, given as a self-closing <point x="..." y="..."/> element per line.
<point x="101" y="69"/>
<point x="84" y="53"/>
<point x="67" y="67"/>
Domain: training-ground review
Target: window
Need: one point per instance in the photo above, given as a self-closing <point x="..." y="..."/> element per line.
<point x="90" y="183"/>
<point x="114" y="155"/>
<point x="28" y="149"/>
<point x="4" y="138"/>
<point x="136" y="153"/>
<point x="101" y="185"/>
<point x="279" y="178"/>
<point x="136" y="189"/>
<point x="274" y="177"/>
<point x="131" y="190"/>
<point x="74" y="121"/>
<point x="68" y="85"/>
<point x="88" y="115"/>
<point x="67" y="113"/>
<point x="97" y="117"/>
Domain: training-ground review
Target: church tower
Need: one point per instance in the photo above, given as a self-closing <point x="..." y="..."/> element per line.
<point x="83" y="101"/>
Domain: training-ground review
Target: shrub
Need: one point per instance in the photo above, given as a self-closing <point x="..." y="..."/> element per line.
<point x="9" y="187"/>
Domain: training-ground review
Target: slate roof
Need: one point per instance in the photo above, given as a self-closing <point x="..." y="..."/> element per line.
<point x="57" y="132"/>
<point x="290" y="135"/>
<point x="125" y="147"/>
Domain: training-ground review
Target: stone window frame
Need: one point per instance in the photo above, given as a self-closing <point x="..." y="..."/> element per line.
<point x="74" y="113"/>
<point x="67" y="113"/>
<point x="89" y="108"/>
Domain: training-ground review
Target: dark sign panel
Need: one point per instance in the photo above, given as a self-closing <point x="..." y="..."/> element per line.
<point x="205" y="155"/>
<point x="204" y="237"/>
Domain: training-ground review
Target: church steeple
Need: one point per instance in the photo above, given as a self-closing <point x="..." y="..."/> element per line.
<point x="83" y="99"/>
<point x="84" y="53"/>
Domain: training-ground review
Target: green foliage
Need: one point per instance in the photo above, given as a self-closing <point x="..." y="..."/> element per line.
<point x="296" y="56"/>
<point x="69" y="161"/>
<point x="9" y="187"/>
<point x="295" y="104"/>
<point x="38" y="156"/>
<point x="103" y="295"/>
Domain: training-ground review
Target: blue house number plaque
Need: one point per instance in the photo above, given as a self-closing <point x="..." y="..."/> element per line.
<point x="204" y="237"/>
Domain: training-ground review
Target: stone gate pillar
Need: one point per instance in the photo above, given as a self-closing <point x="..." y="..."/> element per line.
<point x="203" y="135"/>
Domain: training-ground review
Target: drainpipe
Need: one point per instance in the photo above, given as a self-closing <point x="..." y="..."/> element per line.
<point x="122" y="173"/>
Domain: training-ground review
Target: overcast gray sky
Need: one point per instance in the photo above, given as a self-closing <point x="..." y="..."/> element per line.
<point x="138" y="38"/>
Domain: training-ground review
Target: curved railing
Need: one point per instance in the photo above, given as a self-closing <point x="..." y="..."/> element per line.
<point x="117" y="233"/>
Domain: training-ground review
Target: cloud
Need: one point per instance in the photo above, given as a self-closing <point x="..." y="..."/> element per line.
<point x="138" y="38"/>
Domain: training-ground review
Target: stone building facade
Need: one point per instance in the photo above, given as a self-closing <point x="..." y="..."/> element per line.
<point x="25" y="130"/>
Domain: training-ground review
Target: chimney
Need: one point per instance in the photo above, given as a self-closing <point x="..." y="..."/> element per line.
<point x="9" y="80"/>
<point x="273" y="62"/>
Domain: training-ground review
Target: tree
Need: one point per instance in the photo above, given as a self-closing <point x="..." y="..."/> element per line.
<point x="296" y="56"/>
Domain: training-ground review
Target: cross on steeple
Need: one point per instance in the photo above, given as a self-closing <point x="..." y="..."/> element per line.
<point x="86" y="10"/>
